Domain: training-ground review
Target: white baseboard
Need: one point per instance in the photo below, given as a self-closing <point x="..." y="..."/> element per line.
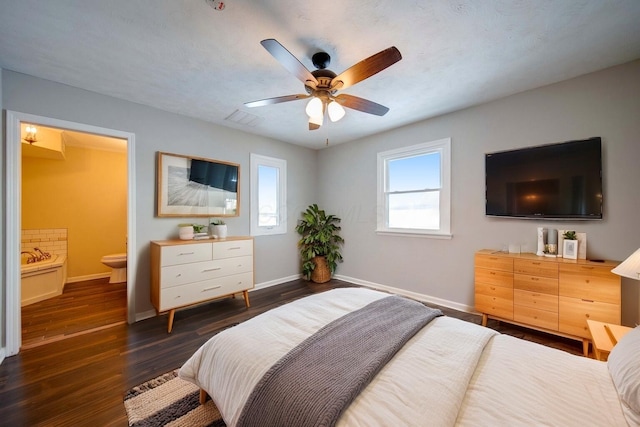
<point x="414" y="295"/>
<point x="87" y="277"/>
<point x="3" y="353"/>
<point x="276" y="282"/>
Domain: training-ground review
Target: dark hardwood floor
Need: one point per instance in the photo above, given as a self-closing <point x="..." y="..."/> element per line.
<point x="82" y="308"/>
<point x="79" y="378"/>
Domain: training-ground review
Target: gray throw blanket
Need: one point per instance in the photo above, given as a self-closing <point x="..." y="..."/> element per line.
<point x="316" y="381"/>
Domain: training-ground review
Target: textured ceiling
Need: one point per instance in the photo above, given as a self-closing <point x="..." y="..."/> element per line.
<point x="186" y="57"/>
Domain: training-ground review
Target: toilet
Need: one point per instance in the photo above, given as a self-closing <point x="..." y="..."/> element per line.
<point x="118" y="264"/>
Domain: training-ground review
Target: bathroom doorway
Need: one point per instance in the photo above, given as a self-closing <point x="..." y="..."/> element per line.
<point x="15" y="121"/>
<point x="73" y="213"/>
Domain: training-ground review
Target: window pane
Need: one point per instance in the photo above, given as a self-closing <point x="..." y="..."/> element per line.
<point x="415" y="210"/>
<point x="414" y="173"/>
<point x="267" y="196"/>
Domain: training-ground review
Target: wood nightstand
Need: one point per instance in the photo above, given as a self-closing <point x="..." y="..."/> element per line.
<point x="604" y="337"/>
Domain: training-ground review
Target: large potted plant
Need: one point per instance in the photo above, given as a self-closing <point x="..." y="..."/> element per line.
<point x="319" y="244"/>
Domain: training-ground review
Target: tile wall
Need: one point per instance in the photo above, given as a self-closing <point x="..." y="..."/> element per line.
<point x="52" y="240"/>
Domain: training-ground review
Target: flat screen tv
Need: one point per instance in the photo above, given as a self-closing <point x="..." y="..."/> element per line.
<point x="555" y="181"/>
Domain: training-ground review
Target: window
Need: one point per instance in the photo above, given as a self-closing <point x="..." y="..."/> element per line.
<point x="414" y="190"/>
<point x="268" y="195"/>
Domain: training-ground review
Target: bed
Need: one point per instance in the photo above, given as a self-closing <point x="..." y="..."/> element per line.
<point x="451" y="372"/>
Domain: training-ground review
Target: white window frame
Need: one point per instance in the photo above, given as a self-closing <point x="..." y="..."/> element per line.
<point x="258" y="160"/>
<point x="443" y="146"/>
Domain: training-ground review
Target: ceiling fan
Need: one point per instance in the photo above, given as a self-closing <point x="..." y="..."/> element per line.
<point x="322" y="84"/>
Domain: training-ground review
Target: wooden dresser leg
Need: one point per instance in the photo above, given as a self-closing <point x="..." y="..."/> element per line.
<point x="484" y="319"/>
<point x="245" y="294"/>
<point x="585" y="347"/>
<point x="170" y="322"/>
<point x="203" y="396"/>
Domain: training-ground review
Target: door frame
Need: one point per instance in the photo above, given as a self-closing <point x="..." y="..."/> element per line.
<point x="13" y="181"/>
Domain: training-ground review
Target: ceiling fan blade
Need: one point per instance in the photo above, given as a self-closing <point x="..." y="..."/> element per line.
<point x="276" y="100"/>
<point x="361" y="104"/>
<point x="290" y="62"/>
<point x="366" y="68"/>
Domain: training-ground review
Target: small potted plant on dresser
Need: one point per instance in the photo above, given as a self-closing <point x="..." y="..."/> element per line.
<point x="218" y="228"/>
<point x="319" y="245"/>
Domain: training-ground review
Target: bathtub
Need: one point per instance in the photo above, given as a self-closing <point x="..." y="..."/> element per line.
<point x="43" y="279"/>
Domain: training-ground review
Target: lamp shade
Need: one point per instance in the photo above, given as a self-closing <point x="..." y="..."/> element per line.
<point x="336" y="112"/>
<point x="316" y="120"/>
<point x="630" y="267"/>
<point x="314" y="107"/>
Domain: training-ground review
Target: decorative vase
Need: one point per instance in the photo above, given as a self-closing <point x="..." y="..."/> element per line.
<point x="540" y="241"/>
<point x="220" y="231"/>
<point x="185" y="232"/>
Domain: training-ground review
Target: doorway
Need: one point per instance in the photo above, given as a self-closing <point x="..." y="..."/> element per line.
<point x="13" y="228"/>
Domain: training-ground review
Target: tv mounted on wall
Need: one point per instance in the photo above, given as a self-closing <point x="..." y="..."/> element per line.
<point x="555" y="181"/>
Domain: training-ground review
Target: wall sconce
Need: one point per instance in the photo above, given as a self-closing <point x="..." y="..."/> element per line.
<point x="31" y="134"/>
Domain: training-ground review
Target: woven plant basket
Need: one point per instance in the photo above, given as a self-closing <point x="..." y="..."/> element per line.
<point x="321" y="273"/>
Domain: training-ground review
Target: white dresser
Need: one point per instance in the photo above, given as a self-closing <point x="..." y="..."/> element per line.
<point x="186" y="272"/>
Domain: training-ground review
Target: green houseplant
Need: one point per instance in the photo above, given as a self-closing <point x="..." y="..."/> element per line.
<point x="320" y="244"/>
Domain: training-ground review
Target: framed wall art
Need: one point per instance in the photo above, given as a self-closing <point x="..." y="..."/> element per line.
<point x="570" y="249"/>
<point x="190" y="186"/>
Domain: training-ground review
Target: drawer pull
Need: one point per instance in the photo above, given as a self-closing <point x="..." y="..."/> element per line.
<point x="492" y="258"/>
<point x="493" y="273"/>
<point x="186" y="253"/>
<point x="587" y="300"/>
<point x="211" y="288"/>
<point x="535" y="263"/>
<point x="585" y="267"/>
<point x="535" y="279"/>
<point x="212" y="269"/>
<point x="235" y="248"/>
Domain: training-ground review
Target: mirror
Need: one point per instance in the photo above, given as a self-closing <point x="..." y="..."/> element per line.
<point x="197" y="187"/>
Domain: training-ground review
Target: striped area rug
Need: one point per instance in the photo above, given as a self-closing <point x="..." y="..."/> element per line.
<point x="169" y="401"/>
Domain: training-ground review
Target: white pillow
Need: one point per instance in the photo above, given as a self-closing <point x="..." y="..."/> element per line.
<point x="624" y="368"/>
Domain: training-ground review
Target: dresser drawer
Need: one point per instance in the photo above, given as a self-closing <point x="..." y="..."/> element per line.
<point x="494" y="300"/>
<point x="493" y="277"/>
<point x="545" y="285"/>
<point x="176" y="275"/>
<point x="494" y="306"/>
<point x="536" y="300"/>
<point x="536" y="317"/>
<point x="183" y="254"/>
<point x="179" y="296"/>
<point x="494" y="262"/>
<point x="233" y="249"/>
<point x="591" y="283"/>
<point x="536" y="268"/>
<point x="574" y="312"/>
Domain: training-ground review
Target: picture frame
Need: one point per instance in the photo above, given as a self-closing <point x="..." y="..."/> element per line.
<point x="189" y="186"/>
<point x="570" y="249"/>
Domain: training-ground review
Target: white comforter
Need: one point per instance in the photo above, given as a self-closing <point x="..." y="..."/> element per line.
<point x="451" y="373"/>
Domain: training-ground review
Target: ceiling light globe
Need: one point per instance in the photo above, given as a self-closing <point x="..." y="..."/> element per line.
<point x="335" y="110"/>
<point x="314" y="107"/>
<point x="316" y="120"/>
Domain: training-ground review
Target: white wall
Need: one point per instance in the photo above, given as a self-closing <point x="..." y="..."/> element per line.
<point x="156" y="130"/>
<point x="605" y="104"/>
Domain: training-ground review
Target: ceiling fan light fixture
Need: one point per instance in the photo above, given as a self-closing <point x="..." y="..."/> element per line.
<point x="316" y="120"/>
<point x="335" y="110"/>
<point x="314" y="107"/>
